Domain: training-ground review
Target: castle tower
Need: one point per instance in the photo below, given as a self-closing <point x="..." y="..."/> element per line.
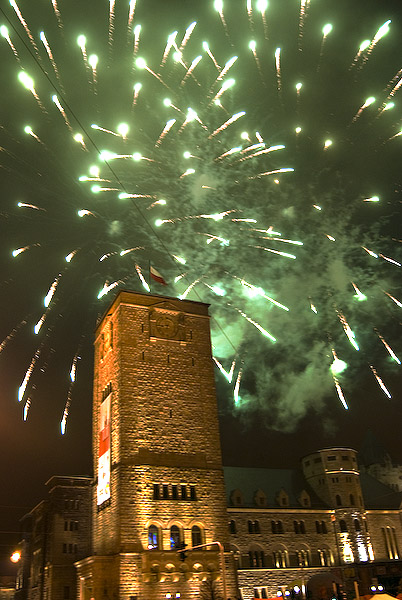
<point x="333" y="474"/>
<point x="157" y="460"/>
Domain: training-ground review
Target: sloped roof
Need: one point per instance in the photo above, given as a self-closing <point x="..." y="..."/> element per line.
<point x="378" y="495"/>
<point x="271" y="482"/>
<point x="372" y="451"/>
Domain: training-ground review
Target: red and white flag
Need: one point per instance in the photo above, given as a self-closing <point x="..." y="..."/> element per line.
<point x="156" y="276"/>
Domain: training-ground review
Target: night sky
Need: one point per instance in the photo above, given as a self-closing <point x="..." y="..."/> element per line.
<point x="305" y="238"/>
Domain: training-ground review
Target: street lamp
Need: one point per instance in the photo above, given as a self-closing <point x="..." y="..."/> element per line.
<point x="221" y="557"/>
<point x="16" y="556"/>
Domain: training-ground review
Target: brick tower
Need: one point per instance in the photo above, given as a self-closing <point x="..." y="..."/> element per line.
<point x="157" y="460"/>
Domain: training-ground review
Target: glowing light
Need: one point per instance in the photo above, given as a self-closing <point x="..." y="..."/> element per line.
<point x="327" y="29"/>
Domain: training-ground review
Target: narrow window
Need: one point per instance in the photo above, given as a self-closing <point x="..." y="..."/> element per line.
<point x="156" y="491"/>
<point x="153" y="537"/>
<point x="174" y="537"/>
<point x="165" y="491"/>
<point x="184" y="492"/>
<point x="196" y="536"/>
<point x="342" y="526"/>
<point x="192" y="492"/>
<point x="357" y="524"/>
<point x="338" y="500"/>
<point x="232" y="527"/>
<point x="174" y="492"/>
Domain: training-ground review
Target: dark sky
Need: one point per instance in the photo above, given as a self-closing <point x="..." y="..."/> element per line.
<point x="285" y="413"/>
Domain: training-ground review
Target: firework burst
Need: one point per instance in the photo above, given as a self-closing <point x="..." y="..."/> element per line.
<point x="255" y="170"/>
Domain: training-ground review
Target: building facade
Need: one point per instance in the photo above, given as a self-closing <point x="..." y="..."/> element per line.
<point x="168" y="521"/>
<point x="55" y="534"/>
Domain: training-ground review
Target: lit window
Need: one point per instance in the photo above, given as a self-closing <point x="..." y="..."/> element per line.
<point x="174" y="537"/>
<point x="153" y="537"/>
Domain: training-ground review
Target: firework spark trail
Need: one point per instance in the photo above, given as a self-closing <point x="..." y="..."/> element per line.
<point x="326" y="30"/>
<point x="348" y="331"/>
<point x="12" y="335"/>
<point x="388" y="347"/>
<point x="144" y="283"/>
<point x="211" y="56"/>
<point x="28" y="84"/>
<point x="227" y="374"/>
<point x="51" y="58"/>
<point x="260" y="328"/>
<point x="137" y="32"/>
<point x="131" y="13"/>
<point x="304" y="6"/>
<point x="112" y="4"/>
<point x="380" y="382"/>
<point x="236" y="391"/>
<point x="4" y="33"/>
<point x="390" y="260"/>
<point x="395" y="300"/>
<point x="25" y="26"/>
<point x="73" y="370"/>
<point x="57" y="13"/>
<point x="187" y="35"/>
<point x="190" y="70"/>
<point x="188" y="289"/>
<point x="340" y="393"/>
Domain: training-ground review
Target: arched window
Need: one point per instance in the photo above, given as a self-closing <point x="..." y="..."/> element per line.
<point x="257" y="559"/>
<point x="273" y="526"/>
<point x="254" y="527"/>
<point x="342" y="526"/>
<point x="232" y="527"/>
<point x="357" y="524"/>
<point x="303" y="558"/>
<point x="324" y="557"/>
<point x="351" y="499"/>
<point x="174" y="537"/>
<point x="299" y="526"/>
<point x="196" y="536"/>
<point x="281" y="559"/>
<point x="153" y="537"/>
<point x="318" y="527"/>
<point x="338" y="500"/>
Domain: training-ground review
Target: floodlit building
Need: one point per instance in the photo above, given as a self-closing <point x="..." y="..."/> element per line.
<point x="169" y="522"/>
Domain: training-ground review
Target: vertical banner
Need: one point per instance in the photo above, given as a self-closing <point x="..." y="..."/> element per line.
<point x="103" y="490"/>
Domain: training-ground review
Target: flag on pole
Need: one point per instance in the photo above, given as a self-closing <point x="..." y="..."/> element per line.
<point x="156" y="276"/>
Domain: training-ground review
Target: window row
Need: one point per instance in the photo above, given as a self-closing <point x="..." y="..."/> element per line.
<point x="70" y="549"/>
<point x="260" y="498"/>
<point x="176" y="537"/>
<point x="71" y="525"/>
<point x="343" y="528"/>
<point x="299" y="527"/>
<point x="165" y="491"/>
<point x="350" y="502"/>
<point x="281" y="559"/>
<point x="71" y="504"/>
<point x="330" y="458"/>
